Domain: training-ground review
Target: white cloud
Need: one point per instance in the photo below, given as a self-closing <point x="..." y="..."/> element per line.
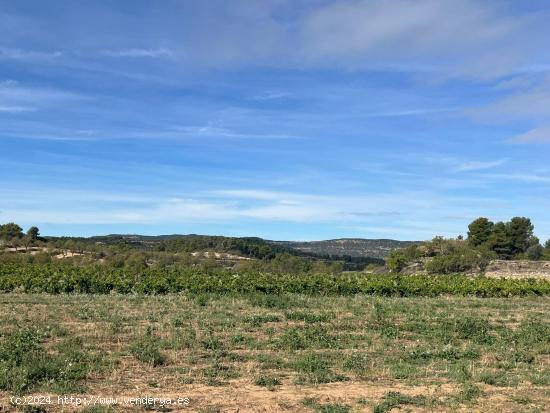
<point x="524" y="177"/>
<point x="407" y="214"/>
<point x="456" y="164"/>
<point x="478" y="165"/>
<point x="271" y="95"/>
<point x="15" y="95"/>
<point x="16" y="109"/>
<point x="465" y="38"/>
<point x="27" y="55"/>
<point x="537" y="135"/>
<point x="140" y="53"/>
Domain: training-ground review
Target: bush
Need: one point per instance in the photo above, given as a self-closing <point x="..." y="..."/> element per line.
<point x="459" y="260"/>
<point x="147" y="349"/>
<point x="25" y="364"/>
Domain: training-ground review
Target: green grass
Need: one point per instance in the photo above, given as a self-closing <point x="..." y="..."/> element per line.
<point x="147" y="350"/>
<point x="460" y="351"/>
<point x="395" y="399"/>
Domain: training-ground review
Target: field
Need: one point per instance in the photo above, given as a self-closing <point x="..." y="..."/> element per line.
<point x="289" y="352"/>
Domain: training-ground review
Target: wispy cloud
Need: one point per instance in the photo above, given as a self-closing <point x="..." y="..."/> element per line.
<point x="140" y="53"/>
<point x="456" y="164"/>
<point x="408" y="112"/>
<point x="28" y="55"/>
<point x="523" y="177"/>
<point x="16" y="109"/>
<point x="15" y="94"/>
<point x="537" y="135"/>
<point x="216" y="132"/>
<point x="478" y="165"/>
<point x="271" y="95"/>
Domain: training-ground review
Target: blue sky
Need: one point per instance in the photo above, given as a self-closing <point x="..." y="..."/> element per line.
<point x="285" y="119"/>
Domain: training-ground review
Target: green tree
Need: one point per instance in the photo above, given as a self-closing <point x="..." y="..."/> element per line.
<point x="30" y="238"/>
<point x="10" y="231"/>
<point x="33" y="233"/>
<point x="396" y="260"/>
<point x="499" y="241"/>
<point x="535" y="252"/>
<point x="520" y="233"/>
<point x="479" y="231"/>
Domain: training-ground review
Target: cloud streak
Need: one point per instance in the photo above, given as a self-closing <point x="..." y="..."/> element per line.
<point x="140" y="53"/>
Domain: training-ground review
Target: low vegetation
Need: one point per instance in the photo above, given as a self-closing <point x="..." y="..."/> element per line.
<point x="289" y="352"/>
<point x="55" y="279"/>
<point x="486" y="241"/>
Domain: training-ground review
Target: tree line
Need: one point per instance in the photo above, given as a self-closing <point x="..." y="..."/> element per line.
<point x="13" y="234"/>
<point x="508" y="240"/>
<point x="486" y="241"/>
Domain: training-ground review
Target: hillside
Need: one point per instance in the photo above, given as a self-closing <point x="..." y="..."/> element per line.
<point x="354" y="247"/>
<point x="256" y="247"/>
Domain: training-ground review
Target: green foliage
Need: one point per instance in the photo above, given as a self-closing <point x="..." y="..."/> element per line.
<point x="520" y="233"/>
<point x="308" y="317"/>
<point x="394" y="399"/>
<point x="56" y="279"/>
<point x="10" y="231"/>
<point x="396" y="260"/>
<point x="33" y="233"/>
<point x="479" y="231"/>
<point x="316" y="370"/>
<point x="499" y="241"/>
<point x="486" y="241"/>
<point x="325" y="408"/>
<point x="458" y="258"/>
<point x="147" y="350"/>
<point x="25" y="364"/>
<point x="535" y="252"/>
<point x="267" y="381"/>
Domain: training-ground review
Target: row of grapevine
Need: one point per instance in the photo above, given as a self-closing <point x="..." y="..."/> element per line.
<point x="56" y="279"/>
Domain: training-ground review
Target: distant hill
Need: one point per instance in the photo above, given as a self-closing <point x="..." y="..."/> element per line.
<point x="354" y="247"/>
<point x="359" y="249"/>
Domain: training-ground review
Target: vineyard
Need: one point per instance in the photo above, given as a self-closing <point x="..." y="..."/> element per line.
<point x="57" y="279"/>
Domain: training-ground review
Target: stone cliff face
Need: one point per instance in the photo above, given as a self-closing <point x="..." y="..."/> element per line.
<point x="518" y="269"/>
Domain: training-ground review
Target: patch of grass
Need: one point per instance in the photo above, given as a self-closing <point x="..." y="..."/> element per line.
<point x="270" y="362"/>
<point x="267" y="381"/>
<point x="394" y="399"/>
<point x="473" y="328"/>
<point x="147" y="350"/>
<point x="308" y="317"/>
<point x="212" y="343"/>
<point x="316" y="370"/>
<point x="402" y="370"/>
<point x="423" y="355"/>
<point x="26" y="365"/>
<point x="295" y="338"/>
<point x="181" y="338"/>
<point x="495" y="378"/>
<point x="358" y="363"/>
<point x="325" y="408"/>
<point x="217" y="372"/>
<point x="259" y="319"/>
<point x="468" y="393"/>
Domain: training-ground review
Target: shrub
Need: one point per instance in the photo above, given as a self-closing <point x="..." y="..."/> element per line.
<point x="394" y="399"/>
<point x="25" y="364"/>
<point x="147" y="350"/>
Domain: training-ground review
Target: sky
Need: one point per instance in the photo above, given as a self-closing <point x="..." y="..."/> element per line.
<point x="284" y="119"/>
